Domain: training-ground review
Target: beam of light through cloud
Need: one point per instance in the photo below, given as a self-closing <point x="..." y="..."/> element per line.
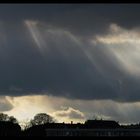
<point x="35" y="33"/>
<point x="61" y="47"/>
<point x="74" y="67"/>
<point x="46" y="36"/>
<point x="124" y="45"/>
<point x="51" y="36"/>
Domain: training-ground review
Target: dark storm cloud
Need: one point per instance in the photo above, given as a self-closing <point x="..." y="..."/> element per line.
<point x="62" y="66"/>
<point x="82" y="19"/>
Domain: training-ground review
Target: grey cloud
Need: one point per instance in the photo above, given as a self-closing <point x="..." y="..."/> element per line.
<point x="70" y="113"/>
<point x="81" y="19"/>
<point x="26" y="67"/>
<point x="5" y="105"/>
<point x="67" y="65"/>
<point x="60" y="66"/>
<point x="106" y="109"/>
<point x="122" y="112"/>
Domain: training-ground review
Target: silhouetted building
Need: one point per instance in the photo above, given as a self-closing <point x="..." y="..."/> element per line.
<point x="93" y="132"/>
<point x="90" y="128"/>
<point x="101" y="124"/>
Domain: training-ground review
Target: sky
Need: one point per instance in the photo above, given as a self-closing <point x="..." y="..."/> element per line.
<point x="72" y="61"/>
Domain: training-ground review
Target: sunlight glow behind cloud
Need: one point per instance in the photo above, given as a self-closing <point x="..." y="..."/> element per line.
<point x="125" y="46"/>
<point x="66" y="110"/>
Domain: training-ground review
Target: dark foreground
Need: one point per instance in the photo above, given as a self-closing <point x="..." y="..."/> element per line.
<point x="96" y="128"/>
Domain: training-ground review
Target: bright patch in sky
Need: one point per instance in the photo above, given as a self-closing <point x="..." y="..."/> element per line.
<point x="125" y="46"/>
<point x="66" y="110"/>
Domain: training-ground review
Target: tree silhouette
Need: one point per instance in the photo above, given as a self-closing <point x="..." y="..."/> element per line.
<point x="9" y="126"/>
<point x="13" y="119"/>
<point x="5" y="117"/>
<point x="42" y="118"/>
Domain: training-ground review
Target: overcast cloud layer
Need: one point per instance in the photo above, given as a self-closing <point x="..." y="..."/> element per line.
<point x="73" y="51"/>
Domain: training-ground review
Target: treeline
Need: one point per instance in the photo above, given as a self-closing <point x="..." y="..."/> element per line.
<point x="9" y="125"/>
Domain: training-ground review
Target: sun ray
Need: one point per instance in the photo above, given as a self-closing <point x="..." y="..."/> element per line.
<point x="36" y="34"/>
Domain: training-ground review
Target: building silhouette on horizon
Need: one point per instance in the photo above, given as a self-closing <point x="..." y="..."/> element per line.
<point x="89" y="128"/>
